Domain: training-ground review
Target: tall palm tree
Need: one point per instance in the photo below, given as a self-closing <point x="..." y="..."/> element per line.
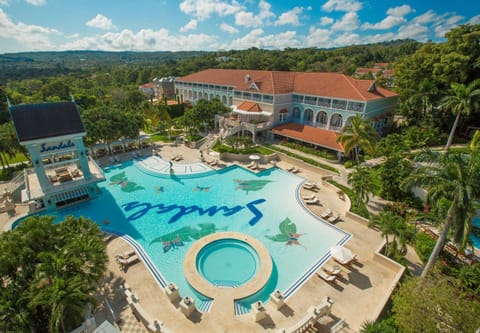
<point x="462" y="101"/>
<point x="392" y="224"/>
<point x="452" y="178"/>
<point x="359" y="133"/>
<point x="361" y="184"/>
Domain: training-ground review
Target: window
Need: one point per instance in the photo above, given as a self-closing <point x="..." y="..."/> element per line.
<point x="310" y="100"/>
<point x="268" y="99"/>
<point x="297" y="99"/>
<point x="257" y="97"/>
<point x="338" y="104"/>
<point x="283" y="116"/>
<point x="237" y="94"/>
<point x="247" y="95"/>
<point x="323" y="102"/>
<point x="355" y="106"/>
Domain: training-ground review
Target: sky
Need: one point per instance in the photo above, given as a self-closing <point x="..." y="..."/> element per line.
<point x="211" y="25"/>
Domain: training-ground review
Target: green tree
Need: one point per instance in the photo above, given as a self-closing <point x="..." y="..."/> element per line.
<point x="452" y="182"/>
<point x="392" y="173"/>
<point x="49" y="280"/>
<point x="434" y="304"/>
<point x="392" y="224"/>
<point x="361" y="184"/>
<point x="9" y="145"/>
<point x="463" y="100"/>
<point x="358" y="134"/>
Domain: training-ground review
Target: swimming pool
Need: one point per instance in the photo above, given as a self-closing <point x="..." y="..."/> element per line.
<point x="166" y="214"/>
<point x="476" y="238"/>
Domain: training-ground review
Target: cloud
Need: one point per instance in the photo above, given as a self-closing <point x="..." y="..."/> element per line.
<point x="143" y="40"/>
<point x="387" y="23"/>
<point x="33" y="37"/>
<point x="474" y="20"/>
<point x="290" y="17"/>
<point x="395" y="17"/>
<point x="4" y="3"/>
<point x="342" y="6"/>
<point x="100" y="22"/>
<point x="192" y="25"/>
<point x="256" y="38"/>
<point x="36" y="2"/>
<point x="318" y="38"/>
<point x="447" y="24"/>
<point x="348" y="22"/>
<point x="203" y="9"/>
<point x="228" y="28"/>
<point x="326" y="21"/>
<point x="249" y="19"/>
<point x="400" y="11"/>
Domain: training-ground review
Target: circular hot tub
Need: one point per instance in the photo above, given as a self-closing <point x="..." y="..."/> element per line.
<point x="228" y="260"/>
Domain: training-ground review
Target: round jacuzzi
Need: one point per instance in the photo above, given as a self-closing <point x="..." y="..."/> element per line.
<point x="227" y="262"/>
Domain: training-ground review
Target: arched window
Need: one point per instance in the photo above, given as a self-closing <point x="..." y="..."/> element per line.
<point x="296" y="113"/>
<point x="322" y="118"/>
<point x="336" y="120"/>
<point x="308" y="115"/>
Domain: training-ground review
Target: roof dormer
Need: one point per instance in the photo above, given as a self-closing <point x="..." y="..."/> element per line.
<point x="253" y="86"/>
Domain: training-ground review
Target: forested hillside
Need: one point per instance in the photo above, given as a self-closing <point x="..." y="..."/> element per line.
<point x="41" y="65"/>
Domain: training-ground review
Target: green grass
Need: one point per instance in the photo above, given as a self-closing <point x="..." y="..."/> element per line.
<point x="19" y="158"/>
<point x="304" y="159"/>
<point x="222" y="148"/>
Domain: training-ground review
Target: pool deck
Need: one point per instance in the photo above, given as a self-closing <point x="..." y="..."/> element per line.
<point x="359" y="293"/>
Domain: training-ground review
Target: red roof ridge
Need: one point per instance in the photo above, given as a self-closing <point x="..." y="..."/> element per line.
<point x="350" y="79"/>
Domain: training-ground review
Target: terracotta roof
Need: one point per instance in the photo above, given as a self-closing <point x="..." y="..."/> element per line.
<point x="148" y="85"/>
<point x="317" y="136"/>
<point x="273" y="82"/>
<point x="249" y="106"/>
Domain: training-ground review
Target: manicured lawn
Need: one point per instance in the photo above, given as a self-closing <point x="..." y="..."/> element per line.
<point x="20" y="157"/>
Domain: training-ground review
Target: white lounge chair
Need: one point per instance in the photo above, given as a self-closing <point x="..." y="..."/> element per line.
<point x="327" y="277"/>
<point x="251" y="164"/>
<point x="311" y="187"/>
<point x="295" y="170"/>
<point x="334" y="218"/>
<point x="309" y="197"/>
<point x="314" y="201"/>
<point x="125" y="263"/>
<point x="326" y="213"/>
<point x="127" y="254"/>
<point x="332" y="270"/>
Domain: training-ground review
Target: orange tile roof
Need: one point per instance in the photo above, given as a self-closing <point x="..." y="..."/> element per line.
<point x="274" y="82"/>
<point x="249" y="106"/>
<point x="148" y="85"/>
<point x="317" y="136"/>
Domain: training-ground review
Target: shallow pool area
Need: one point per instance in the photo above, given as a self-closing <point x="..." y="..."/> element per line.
<point x="227" y="262"/>
<point x="475" y="238"/>
<point x="163" y="215"/>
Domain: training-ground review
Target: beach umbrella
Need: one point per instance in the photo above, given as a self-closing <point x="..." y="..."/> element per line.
<point x="254" y="158"/>
<point x="341" y="254"/>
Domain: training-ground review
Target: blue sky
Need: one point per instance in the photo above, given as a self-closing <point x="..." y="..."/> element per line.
<point x="168" y="25"/>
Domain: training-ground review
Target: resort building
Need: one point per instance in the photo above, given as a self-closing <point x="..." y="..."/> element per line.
<point x="310" y="107"/>
<point x="62" y="173"/>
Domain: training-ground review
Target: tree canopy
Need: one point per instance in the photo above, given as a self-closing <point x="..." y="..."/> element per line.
<point x="49" y="273"/>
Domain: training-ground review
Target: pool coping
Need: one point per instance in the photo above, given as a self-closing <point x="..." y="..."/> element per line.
<point x="209" y="290"/>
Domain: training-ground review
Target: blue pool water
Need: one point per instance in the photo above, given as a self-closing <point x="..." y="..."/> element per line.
<point x="476" y="239"/>
<point x="166" y="214"/>
<point x="227" y="262"/>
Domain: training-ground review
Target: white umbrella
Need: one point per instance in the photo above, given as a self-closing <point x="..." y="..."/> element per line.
<point x="254" y="158"/>
<point x="214" y="154"/>
<point x="341" y="254"/>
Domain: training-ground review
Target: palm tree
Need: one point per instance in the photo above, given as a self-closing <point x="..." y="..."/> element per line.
<point x="462" y="101"/>
<point x="359" y="133"/>
<point x="392" y="224"/>
<point x="361" y="184"/>
<point x="452" y="178"/>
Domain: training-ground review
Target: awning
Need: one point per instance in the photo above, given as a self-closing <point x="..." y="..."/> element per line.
<point x="317" y="136"/>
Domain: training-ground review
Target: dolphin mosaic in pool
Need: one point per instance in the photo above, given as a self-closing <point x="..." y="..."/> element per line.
<point x="142" y="208"/>
<point x="125" y="184"/>
<point x="251" y="185"/>
<point x="176" y="238"/>
<point x="288" y="233"/>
